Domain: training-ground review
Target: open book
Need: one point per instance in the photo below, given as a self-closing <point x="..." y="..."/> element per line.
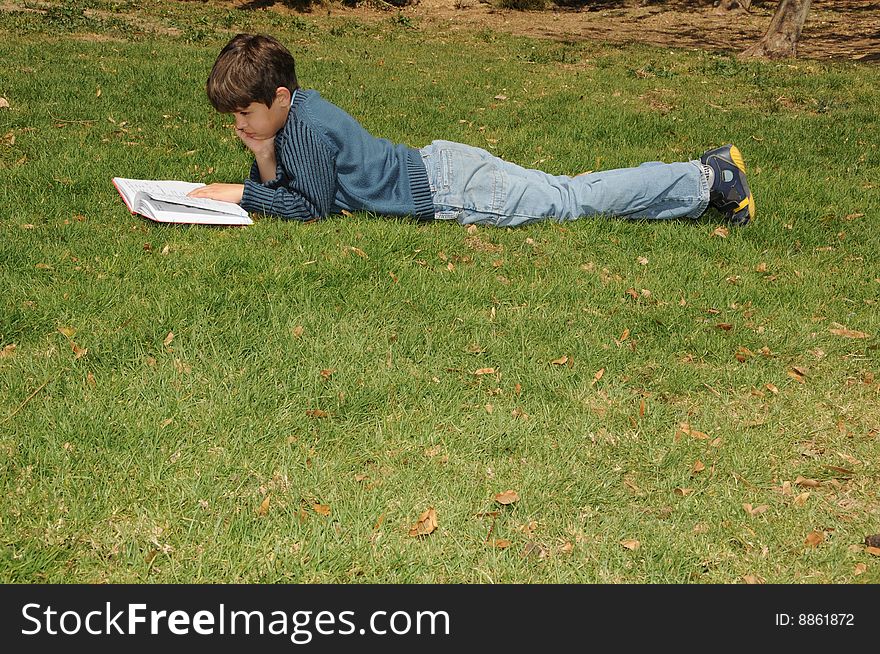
<point x="167" y="201"/>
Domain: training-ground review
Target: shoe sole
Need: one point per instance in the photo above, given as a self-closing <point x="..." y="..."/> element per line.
<point x="749" y="201"/>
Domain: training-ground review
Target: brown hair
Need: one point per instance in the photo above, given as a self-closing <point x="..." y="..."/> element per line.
<point x="250" y="68"/>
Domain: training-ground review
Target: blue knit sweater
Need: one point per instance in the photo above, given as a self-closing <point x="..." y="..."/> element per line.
<point x="327" y="162"/>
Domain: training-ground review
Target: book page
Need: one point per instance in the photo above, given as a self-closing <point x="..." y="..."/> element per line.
<point x="168" y="212"/>
<point x="175" y="192"/>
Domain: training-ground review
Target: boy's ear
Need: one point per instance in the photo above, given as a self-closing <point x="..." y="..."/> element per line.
<point x="283" y="95"/>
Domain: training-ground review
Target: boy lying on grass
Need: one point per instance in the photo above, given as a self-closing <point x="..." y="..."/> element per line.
<point x="312" y="159"/>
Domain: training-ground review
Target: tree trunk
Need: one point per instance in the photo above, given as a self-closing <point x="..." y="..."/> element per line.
<point x="784" y="32"/>
<point x="731" y="5"/>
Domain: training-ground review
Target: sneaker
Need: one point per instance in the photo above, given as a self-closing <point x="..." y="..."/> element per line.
<point x="730" y="192"/>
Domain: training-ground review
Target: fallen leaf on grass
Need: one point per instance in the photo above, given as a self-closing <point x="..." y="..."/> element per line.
<point x="860" y="568"/>
<point x="67" y="331"/>
<point x="561" y="361"/>
<point x="753" y="579"/>
<point x="631" y="544"/>
<point x="426" y="523"/>
<point x="4" y="103"/>
<point x="687" y="430"/>
<point x="78" y="352"/>
<point x="499" y="543"/>
<point x="507" y="497"/>
<point x="797" y="374"/>
<point x="743" y="354"/>
<point x="872" y="541"/>
<point x="814" y="538"/>
<point x="755" y="510"/>
<point x="849" y="333"/>
<point x="598" y="376"/>
<point x="321" y="509"/>
<point x="7" y="351"/>
<point x="724" y="326"/>
<point x="874" y="551"/>
<point x="357" y="251"/>
<point x="297" y="331"/>
<point x="484" y="371"/>
<point x="810" y="483"/>
<point x="801" y="499"/>
<point x="263" y="509"/>
<point x="720" y="231"/>
<point x="316" y="413"/>
<point x="698" y="466"/>
<point x="683" y="492"/>
<point x="168" y="338"/>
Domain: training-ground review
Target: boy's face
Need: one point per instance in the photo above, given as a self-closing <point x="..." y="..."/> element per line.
<point x="258" y="122"/>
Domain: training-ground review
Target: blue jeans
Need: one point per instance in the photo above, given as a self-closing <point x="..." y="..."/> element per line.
<point x="471" y="185"/>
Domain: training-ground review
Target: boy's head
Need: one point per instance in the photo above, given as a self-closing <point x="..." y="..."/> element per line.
<point x="251" y="68"/>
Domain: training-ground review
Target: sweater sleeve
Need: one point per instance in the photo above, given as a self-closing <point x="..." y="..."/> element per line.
<point x="305" y="187"/>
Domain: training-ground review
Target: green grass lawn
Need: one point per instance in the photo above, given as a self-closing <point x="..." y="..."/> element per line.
<point x="281" y="403"/>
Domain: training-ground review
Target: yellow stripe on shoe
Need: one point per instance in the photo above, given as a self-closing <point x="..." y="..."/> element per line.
<point x="737" y="158"/>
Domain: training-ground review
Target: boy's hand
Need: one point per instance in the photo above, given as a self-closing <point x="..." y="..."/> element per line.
<point x="224" y="192"/>
<point x="260" y="147"/>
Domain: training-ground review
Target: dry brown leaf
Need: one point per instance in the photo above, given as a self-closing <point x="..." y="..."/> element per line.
<point x="814" y="538"/>
<point x="484" y="371"/>
<point x="426" y="523"/>
<point x="631" y="544"/>
<point x="698" y="466"/>
<point x="753" y="579"/>
<point x="507" y="497"/>
<point x="860" y="568"/>
<point x="500" y="543"/>
<point x="683" y="492"/>
<point x="264" y="505"/>
<point x="598" y="375"/>
<point x="561" y="361"/>
<point x="357" y="251"/>
<point x="755" y="510"/>
<point x="849" y="333"/>
<point x="797" y="374"/>
<point x="810" y="483"/>
<point x="297" y="331"/>
<point x="873" y="551"/>
<point x="743" y="354"/>
<point x="316" y="413"/>
<point x="772" y="388"/>
<point x="7" y="351"/>
<point x="168" y="338"/>
<point x="78" y="352"/>
<point x="801" y="499"/>
<point x="4" y="103"/>
<point x="724" y="326"/>
<point x="721" y="231"/>
<point x="327" y="373"/>
<point x="687" y="430"/>
<point x="321" y="509"/>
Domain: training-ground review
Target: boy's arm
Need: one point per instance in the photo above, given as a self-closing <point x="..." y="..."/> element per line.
<point x="303" y="187"/>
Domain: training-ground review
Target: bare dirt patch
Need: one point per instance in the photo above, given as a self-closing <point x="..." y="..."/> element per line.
<point x="835" y="29"/>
